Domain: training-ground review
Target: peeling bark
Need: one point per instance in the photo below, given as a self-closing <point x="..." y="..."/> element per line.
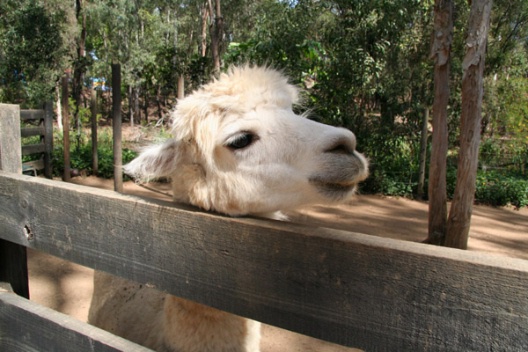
<point x="459" y="220"/>
<point x="440" y="53"/>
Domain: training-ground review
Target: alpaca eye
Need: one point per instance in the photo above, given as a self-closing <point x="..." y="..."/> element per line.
<point x="241" y="141"/>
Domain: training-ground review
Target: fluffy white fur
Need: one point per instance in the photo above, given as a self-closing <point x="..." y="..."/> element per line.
<point x="237" y="149"/>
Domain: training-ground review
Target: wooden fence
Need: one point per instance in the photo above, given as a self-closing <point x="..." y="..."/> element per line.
<point x="357" y="290"/>
<point x="43" y="129"/>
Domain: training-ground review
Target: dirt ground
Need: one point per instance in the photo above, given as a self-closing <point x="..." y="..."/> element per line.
<point x="67" y="287"/>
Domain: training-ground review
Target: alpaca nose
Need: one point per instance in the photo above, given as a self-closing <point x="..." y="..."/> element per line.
<point x="342" y="144"/>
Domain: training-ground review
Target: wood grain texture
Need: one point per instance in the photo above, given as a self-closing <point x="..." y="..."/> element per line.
<point x="32" y="114"/>
<point x="48" y="139"/>
<point x="32" y="131"/>
<point x="33" y="149"/>
<point x="357" y="290"/>
<point x="26" y="326"/>
<point x="13" y="257"/>
<point x="10" y="154"/>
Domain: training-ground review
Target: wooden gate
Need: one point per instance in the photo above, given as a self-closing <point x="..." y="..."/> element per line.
<point x="362" y="291"/>
<point x="44" y="129"/>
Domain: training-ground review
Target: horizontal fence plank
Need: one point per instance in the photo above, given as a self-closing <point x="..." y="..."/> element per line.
<point x="31" y="114"/>
<point x="33" y="149"/>
<point x="362" y="291"/>
<point x="26" y="326"/>
<point x="32" y="131"/>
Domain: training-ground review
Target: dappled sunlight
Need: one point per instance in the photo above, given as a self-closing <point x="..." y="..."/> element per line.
<point x="396" y="218"/>
<point x="501" y="231"/>
<point x="59" y="284"/>
<point x="277" y="340"/>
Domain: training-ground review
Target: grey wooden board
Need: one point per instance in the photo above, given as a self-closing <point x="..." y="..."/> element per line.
<point x="33" y="149"/>
<point x="30" y="114"/>
<point x="33" y="131"/>
<point x="10" y="155"/>
<point x="26" y="326"/>
<point x="13" y="259"/>
<point x="373" y="293"/>
<point x="48" y="139"/>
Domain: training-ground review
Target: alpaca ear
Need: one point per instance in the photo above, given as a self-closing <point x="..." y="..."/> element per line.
<point x="155" y="161"/>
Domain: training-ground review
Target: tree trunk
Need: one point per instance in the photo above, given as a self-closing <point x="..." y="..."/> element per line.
<point x="472" y="90"/>
<point x="158" y="102"/>
<point x="80" y="64"/>
<point x="217" y="32"/>
<point x="440" y="52"/>
<point x="59" y="107"/>
<point x="137" y="111"/>
<point x="423" y="155"/>
<point x="181" y="86"/>
<point x="146" y="105"/>
<point x="203" y="41"/>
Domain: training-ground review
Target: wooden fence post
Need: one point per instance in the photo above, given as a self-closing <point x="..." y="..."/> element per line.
<point x="66" y="128"/>
<point x="95" y="156"/>
<point x="48" y="138"/>
<point x="116" y="118"/>
<point x="13" y="257"/>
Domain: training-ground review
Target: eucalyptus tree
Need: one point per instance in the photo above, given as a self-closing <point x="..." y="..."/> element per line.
<point x="458" y="222"/>
<point x="35" y="49"/>
<point x="441" y="54"/>
<point x="505" y="119"/>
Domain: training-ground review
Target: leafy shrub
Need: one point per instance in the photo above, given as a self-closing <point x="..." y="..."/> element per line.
<point x="393" y="166"/>
<point x="81" y="157"/>
<point x="499" y="189"/>
<point x="380" y="182"/>
<point x="496" y="188"/>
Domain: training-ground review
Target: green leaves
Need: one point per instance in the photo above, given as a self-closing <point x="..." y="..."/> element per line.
<point x="499" y="189"/>
<point x="32" y="52"/>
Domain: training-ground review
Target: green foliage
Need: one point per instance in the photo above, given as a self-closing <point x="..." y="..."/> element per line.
<point x="32" y="51"/>
<point x="81" y="156"/>
<point x="84" y="113"/>
<point x="499" y="189"/>
<point x="394" y="165"/>
<point x="363" y="65"/>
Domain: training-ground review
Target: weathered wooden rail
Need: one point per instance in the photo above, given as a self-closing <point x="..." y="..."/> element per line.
<point x="357" y="290"/>
<point x="43" y="129"/>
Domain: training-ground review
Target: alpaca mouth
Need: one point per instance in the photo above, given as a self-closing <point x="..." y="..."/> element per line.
<point x="333" y="190"/>
<point x="338" y="179"/>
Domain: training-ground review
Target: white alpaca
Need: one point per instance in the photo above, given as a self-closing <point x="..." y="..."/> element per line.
<point x="238" y="149"/>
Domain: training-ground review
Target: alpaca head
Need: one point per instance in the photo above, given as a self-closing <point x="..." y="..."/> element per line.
<point x="238" y="148"/>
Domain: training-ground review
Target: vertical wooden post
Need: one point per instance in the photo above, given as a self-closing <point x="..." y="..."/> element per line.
<point x="48" y="138"/>
<point x="10" y="138"/>
<point x="423" y="155"/>
<point x="181" y="86"/>
<point x="117" y="122"/>
<point x="13" y="257"/>
<point x="95" y="156"/>
<point x="131" y="110"/>
<point x="66" y="128"/>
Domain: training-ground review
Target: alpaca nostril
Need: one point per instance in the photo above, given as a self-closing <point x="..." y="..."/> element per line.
<point x="342" y="146"/>
<point x="339" y="149"/>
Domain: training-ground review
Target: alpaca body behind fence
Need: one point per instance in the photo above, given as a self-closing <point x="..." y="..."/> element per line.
<point x="237" y="149"/>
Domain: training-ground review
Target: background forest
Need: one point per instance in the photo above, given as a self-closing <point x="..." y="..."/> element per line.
<point x="364" y="65"/>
